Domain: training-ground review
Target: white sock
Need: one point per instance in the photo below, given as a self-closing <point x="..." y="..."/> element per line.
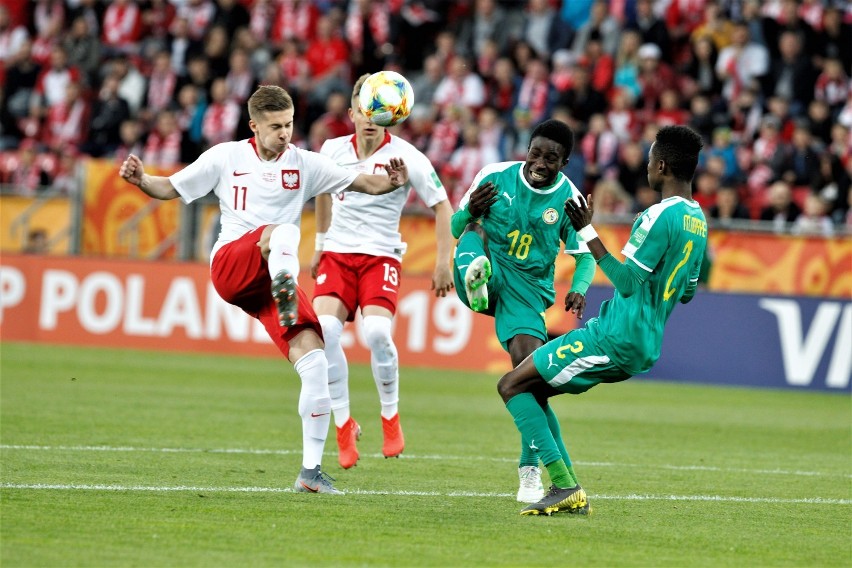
<point x="338" y="368"/>
<point x="384" y="361"/>
<point x="314" y="406"/>
<point x="284" y="250"/>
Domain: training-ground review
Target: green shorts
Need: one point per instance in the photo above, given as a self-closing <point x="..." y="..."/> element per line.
<point x="575" y="362"/>
<point x="517" y="306"/>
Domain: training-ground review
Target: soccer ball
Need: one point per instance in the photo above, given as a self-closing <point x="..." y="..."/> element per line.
<point x="386" y="98"/>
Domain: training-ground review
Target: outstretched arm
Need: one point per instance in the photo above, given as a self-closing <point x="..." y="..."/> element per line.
<point x="625" y="279"/>
<point x="375" y="184"/>
<point x="158" y="187"/>
<point x="442" y="278"/>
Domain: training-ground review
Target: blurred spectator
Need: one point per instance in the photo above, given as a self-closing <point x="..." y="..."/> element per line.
<point x="799" y="164"/>
<point x="130" y="136"/>
<point x="599" y="147"/>
<point x="502" y="90"/>
<point x="814" y="219"/>
<point x="445" y="134"/>
<point x="742" y="64"/>
<point x="221" y="117"/>
<point x="181" y="45"/>
<point x="240" y="78"/>
<point x="198" y="14"/>
<point x="131" y="83"/>
<point x="259" y="54"/>
<point x="626" y="75"/>
<point x="12" y="36"/>
<point x="651" y="27"/>
<point x="122" y="27"/>
<point x="582" y="99"/>
<point x="670" y="113"/>
<point x="198" y="76"/>
<point x="370" y="35"/>
<point x="701" y="70"/>
<point x="164" y="144"/>
<point x="90" y="10"/>
<point x="67" y="123"/>
<point x="157" y="18"/>
<point x="36" y="242"/>
<point x="781" y="17"/>
<point x="706" y="186"/>
<point x="83" y="49"/>
<point x="819" y="119"/>
<point x="576" y="13"/>
<point x="461" y="87"/>
<point x="426" y="82"/>
<point x="780" y="209"/>
<point x="108" y="113"/>
<point x="791" y="75"/>
<point x="64" y="179"/>
<point x="632" y="168"/>
<point x="465" y="162"/>
<point x="611" y="201"/>
<point x="493" y="132"/>
<point x="746" y="115"/>
<point x="190" y="118"/>
<point x="22" y="76"/>
<point x="714" y="27"/>
<point x="294" y="20"/>
<point x="835" y="41"/>
<point x="723" y="147"/>
<point x="335" y="120"/>
<point x="543" y="29"/>
<point x="162" y="86"/>
<point x="645" y="197"/>
<point x="328" y="60"/>
<point x="488" y="22"/>
<point x="600" y="25"/>
<point x="728" y="207"/>
<point x="217" y="51"/>
<point x="535" y="93"/>
<point x="26" y="174"/>
<point x="232" y="14"/>
<point x="621" y="117"/>
<point x="833" y="85"/>
<point x="51" y="82"/>
<point x="655" y="76"/>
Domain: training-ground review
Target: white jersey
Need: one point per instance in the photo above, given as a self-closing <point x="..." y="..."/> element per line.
<point x="369" y="224"/>
<point x="254" y="192"/>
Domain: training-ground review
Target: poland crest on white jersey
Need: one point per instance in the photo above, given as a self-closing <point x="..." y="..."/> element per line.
<point x="369" y="224"/>
<point x="254" y="192"/>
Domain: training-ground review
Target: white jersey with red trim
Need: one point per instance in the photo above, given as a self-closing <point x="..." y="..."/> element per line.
<point x="253" y="192"/>
<point x="369" y="224"/>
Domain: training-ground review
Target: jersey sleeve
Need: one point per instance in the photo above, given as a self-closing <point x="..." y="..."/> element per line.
<point x="648" y="241"/>
<point x="325" y="175"/>
<point x="201" y="176"/>
<point x="424" y="180"/>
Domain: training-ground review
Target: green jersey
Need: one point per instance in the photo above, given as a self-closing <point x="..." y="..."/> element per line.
<point x="668" y="242"/>
<point x="526" y="224"/>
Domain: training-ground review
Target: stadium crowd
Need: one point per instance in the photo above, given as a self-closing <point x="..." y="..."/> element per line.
<point x="766" y="83"/>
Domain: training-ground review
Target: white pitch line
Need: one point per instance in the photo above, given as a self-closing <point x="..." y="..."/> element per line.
<point x="630" y="497"/>
<point x="416" y="456"/>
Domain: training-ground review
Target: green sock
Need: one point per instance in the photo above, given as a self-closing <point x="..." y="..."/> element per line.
<point x="573" y="476"/>
<point x="532" y="424"/>
<point x="559" y="474"/>
<point x="555" y="429"/>
<point x="469" y="247"/>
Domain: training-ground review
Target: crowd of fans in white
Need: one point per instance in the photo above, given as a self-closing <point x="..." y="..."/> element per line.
<point x="766" y="83"/>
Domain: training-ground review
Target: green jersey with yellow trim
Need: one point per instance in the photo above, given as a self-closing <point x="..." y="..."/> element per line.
<point x="668" y="242"/>
<point x="526" y="224"/>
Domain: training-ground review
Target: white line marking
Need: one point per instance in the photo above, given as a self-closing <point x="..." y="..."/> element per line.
<point x="630" y="497"/>
<point x="410" y="456"/>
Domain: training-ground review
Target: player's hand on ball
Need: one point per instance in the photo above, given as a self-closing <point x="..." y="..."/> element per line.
<point x="575" y="303"/>
<point x="397" y="172"/>
<point x="481" y="200"/>
<point x="579" y="211"/>
<point x="131" y="170"/>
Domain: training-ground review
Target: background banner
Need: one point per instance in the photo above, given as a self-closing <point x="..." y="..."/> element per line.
<point x="735" y="339"/>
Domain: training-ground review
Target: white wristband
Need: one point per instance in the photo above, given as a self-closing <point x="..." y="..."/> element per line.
<point x="588" y="233"/>
<point x="319" y="241"/>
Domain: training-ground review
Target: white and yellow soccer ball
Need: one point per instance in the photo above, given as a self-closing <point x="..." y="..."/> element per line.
<point x="386" y="98"/>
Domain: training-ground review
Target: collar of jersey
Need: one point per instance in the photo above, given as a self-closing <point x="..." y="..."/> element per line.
<point x="354" y="141"/>
<point x="256" y="153"/>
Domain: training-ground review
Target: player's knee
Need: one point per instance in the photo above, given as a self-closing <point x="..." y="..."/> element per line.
<point x="507" y="387"/>
<point x="332" y="329"/>
<point x="378" y="334"/>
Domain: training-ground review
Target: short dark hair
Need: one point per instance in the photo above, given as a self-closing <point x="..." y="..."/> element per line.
<point x="679" y="147"/>
<point x="557" y="131"/>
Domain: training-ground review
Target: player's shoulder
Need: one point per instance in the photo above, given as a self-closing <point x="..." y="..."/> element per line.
<point x="501" y="169"/>
<point x="333" y="146"/>
<point x="671" y="209"/>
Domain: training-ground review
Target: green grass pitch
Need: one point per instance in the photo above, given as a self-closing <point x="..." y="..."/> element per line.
<point x="128" y="458"/>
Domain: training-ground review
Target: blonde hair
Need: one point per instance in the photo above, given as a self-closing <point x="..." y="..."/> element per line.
<point x="268" y="98"/>
<point x="356" y="90"/>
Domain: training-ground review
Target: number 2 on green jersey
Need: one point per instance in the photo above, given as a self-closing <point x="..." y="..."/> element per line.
<point x="687" y="249"/>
